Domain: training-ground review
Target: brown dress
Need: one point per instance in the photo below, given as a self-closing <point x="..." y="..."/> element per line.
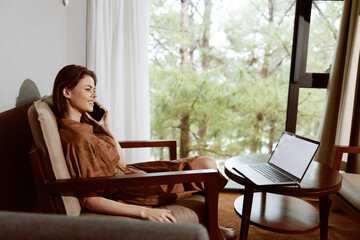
<point x="92" y="153"/>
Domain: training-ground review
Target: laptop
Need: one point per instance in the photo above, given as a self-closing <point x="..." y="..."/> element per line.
<point x="288" y="162"/>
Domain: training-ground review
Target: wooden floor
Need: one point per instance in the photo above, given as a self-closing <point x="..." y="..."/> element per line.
<point x="341" y="226"/>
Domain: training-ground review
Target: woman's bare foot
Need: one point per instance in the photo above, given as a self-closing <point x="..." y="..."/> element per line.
<point x="228" y="233"/>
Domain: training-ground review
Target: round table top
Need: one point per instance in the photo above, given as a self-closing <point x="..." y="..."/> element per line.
<point x="319" y="179"/>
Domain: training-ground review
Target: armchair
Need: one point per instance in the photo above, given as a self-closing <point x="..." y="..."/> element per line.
<point x="348" y="197"/>
<point x="19" y="225"/>
<point x="56" y="190"/>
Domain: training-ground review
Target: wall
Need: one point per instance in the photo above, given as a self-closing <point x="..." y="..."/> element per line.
<point x="37" y="38"/>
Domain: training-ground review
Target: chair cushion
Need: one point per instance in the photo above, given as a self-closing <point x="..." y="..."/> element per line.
<point x="187" y="210"/>
<point x="47" y="139"/>
<point x="350" y="188"/>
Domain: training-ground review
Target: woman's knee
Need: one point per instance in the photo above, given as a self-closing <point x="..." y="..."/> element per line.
<point x="204" y="162"/>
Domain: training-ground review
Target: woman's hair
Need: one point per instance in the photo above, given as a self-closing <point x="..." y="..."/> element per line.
<point x="68" y="77"/>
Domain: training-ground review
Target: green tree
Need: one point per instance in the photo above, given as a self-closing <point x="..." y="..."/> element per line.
<point x="228" y="97"/>
<point x="260" y="37"/>
<point x="189" y="86"/>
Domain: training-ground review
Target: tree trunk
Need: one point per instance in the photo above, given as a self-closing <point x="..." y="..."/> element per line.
<point x="255" y="144"/>
<point x="267" y="56"/>
<point x="202" y="128"/>
<point x="185" y="51"/>
<point x="271" y="136"/>
<point x="205" y="46"/>
<point x="205" y="63"/>
<point x="184" y="135"/>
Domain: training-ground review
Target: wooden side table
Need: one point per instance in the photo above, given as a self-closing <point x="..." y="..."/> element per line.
<point x="276" y="208"/>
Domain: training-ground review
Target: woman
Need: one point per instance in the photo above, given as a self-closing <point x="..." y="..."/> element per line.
<point x="91" y="151"/>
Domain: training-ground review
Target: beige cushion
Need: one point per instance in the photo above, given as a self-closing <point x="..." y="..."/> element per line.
<point x="350" y="188"/>
<point x="188" y="210"/>
<point x="47" y="139"/>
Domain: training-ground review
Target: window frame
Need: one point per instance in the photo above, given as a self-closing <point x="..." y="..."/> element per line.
<point x="299" y="78"/>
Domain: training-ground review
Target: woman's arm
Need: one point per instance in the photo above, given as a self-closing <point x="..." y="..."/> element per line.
<point x="104" y="205"/>
<point x="104" y="124"/>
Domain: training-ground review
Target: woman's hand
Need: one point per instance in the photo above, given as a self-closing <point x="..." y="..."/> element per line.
<point x="104" y="123"/>
<point x="104" y="205"/>
<point x="158" y="215"/>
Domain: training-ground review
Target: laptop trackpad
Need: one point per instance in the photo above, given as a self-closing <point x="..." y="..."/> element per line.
<point x="252" y="175"/>
<point x="257" y="178"/>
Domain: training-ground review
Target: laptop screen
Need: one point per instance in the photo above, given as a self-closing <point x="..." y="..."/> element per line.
<point x="293" y="154"/>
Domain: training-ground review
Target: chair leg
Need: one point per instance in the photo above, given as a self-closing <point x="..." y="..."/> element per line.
<point x="211" y="200"/>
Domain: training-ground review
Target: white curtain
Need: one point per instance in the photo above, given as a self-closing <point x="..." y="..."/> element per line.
<point x="337" y="120"/>
<point x="117" y="39"/>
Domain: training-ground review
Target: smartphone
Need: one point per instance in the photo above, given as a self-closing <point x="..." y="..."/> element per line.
<point x="97" y="113"/>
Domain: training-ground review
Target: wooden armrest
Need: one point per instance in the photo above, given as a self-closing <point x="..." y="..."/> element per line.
<point x="171" y="144"/>
<point x="208" y="176"/>
<point x="340" y="150"/>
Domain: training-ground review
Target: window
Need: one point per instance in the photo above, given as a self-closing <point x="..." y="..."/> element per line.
<point x="310" y="69"/>
<point x="219" y="75"/>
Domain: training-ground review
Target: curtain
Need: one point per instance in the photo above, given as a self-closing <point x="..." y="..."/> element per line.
<point x="337" y="125"/>
<point x="117" y="39"/>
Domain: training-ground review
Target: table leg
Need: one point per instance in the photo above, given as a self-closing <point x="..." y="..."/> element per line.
<point x="245" y="219"/>
<point x="324" y="216"/>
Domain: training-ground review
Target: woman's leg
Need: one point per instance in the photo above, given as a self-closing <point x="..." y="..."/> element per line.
<point x="210" y="163"/>
<point x="207" y="163"/>
<point x="203" y="163"/>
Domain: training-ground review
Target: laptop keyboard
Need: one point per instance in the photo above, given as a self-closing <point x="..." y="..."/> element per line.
<point x="270" y="173"/>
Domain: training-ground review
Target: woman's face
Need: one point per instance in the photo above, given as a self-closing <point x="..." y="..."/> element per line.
<point x="82" y="96"/>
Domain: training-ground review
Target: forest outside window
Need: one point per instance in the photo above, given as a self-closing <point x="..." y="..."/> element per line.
<point x="219" y="75"/>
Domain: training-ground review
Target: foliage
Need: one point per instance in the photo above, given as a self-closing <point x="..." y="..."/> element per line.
<point x="227" y="87"/>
